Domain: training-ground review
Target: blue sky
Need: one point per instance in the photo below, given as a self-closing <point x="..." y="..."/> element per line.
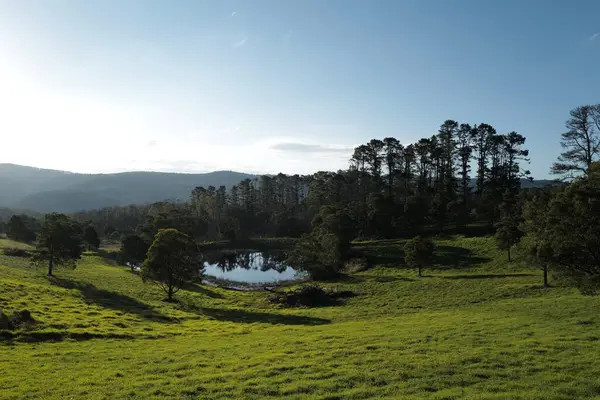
<point x="291" y="86"/>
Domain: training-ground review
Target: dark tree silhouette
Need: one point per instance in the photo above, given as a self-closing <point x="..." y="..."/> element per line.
<point x="172" y="261"/>
<point x="59" y="242"/>
<point x="581" y="142"/>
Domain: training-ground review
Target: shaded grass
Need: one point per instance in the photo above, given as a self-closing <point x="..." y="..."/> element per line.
<point x="243" y="316"/>
<point x="468" y="330"/>
<point x="108" y="299"/>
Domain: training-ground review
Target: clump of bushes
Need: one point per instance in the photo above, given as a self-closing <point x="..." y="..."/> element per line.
<point x="19" y="319"/>
<point x="16" y="252"/>
<point x="310" y="296"/>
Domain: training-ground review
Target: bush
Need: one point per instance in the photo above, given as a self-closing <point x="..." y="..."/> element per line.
<point x="16" y="252"/>
<point x="309" y="296"/>
<point x="22" y="318"/>
<point x="5" y="322"/>
<point x="19" y="319"/>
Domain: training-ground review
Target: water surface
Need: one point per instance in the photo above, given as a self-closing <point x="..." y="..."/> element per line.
<point x="250" y="267"/>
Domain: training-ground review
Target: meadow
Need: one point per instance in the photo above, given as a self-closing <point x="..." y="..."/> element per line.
<point x="474" y="327"/>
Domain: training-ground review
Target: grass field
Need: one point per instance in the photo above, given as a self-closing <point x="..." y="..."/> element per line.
<point x="472" y="328"/>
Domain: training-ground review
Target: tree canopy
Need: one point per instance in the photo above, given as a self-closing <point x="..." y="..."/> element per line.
<point x="568" y="228"/>
<point x="581" y="142"/>
<point x="22" y="228"/>
<point x="59" y="242"/>
<point x="90" y="236"/>
<point x="133" y="250"/>
<point x="419" y="253"/>
<point x="172" y="261"/>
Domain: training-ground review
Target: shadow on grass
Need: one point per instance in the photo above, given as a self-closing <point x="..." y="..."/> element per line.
<point x="385" y="279"/>
<point x="249" y="317"/>
<point x="457" y="257"/>
<point x="488" y="276"/>
<point x="445" y="257"/>
<point x="112" y="256"/>
<point x="387" y="255"/>
<point x="111" y="300"/>
<point x="10" y="338"/>
<point x="203" y="290"/>
<point x="342" y="278"/>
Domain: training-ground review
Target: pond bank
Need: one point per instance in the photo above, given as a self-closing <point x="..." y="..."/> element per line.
<point x="249" y="287"/>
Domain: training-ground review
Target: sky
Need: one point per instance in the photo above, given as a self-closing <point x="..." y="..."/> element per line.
<point x="282" y="86"/>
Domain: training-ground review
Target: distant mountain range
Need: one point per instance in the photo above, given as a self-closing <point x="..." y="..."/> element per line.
<point x="44" y="190"/>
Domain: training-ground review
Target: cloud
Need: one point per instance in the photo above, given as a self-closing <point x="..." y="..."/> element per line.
<point x="233" y="13"/>
<point x="594" y="36"/>
<point x="308" y="148"/>
<point x="152" y="143"/>
<point x="240" y="43"/>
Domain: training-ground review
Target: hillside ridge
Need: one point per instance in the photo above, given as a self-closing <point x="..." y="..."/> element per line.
<point x="45" y="190"/>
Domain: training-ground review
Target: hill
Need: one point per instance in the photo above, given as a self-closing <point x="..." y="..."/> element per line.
<point x="472" y="328"/>
<point x="43" y="190"/>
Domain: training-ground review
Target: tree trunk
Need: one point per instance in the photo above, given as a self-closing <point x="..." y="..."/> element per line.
<point x="509" y="259"/>
<point x="170" y="293"/>
<point x="51" y="262"/>
<point x="546" y="276"/>
<point x="420" y="275"/>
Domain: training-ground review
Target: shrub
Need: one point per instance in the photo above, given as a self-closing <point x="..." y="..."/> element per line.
<point x="22" y="318"/>
<point x="5" y="322"/>
<point x="19" y="319"/>
<point x="309" y="296"/>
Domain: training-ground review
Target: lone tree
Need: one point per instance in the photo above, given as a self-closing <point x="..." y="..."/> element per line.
<point x="59" y="242"/>
<point x="172" y="260"/>
<point x="133" y="250"/>
<point x="90" y="236"/>
<point x="418" y="253"/>
<point x="537" y="249"/>
<point x="581" y="142"/>
<point x="508" y="232"/>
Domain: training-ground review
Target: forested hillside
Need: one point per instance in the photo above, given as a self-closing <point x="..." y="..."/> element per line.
<point x="42" y="190"/>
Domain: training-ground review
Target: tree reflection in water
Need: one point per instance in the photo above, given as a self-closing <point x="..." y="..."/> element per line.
<point x="260" y="261"/>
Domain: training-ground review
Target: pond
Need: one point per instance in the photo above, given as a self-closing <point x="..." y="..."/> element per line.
<point x="250" y="267"/>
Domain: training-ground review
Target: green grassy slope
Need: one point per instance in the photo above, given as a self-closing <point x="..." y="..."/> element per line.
<point x="472" y="328"/>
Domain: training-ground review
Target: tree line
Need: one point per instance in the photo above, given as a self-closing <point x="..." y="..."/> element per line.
<point x="447" y="181"/>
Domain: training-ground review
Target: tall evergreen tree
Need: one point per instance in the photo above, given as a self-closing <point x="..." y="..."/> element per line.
<point x="581" y="142"/>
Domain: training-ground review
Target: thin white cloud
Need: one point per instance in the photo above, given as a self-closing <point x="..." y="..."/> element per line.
<point x="240" y="43"/>
<point x="307" y="148"/>
<point x="233" y="13"/>
<point x="594" y="36"/>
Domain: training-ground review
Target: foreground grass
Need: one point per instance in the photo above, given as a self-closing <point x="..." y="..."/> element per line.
<point x="472" y="328"/>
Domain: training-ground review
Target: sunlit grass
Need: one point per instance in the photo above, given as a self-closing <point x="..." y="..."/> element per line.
<point x="8" y="243"/>
<point x="472" y="328"/>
